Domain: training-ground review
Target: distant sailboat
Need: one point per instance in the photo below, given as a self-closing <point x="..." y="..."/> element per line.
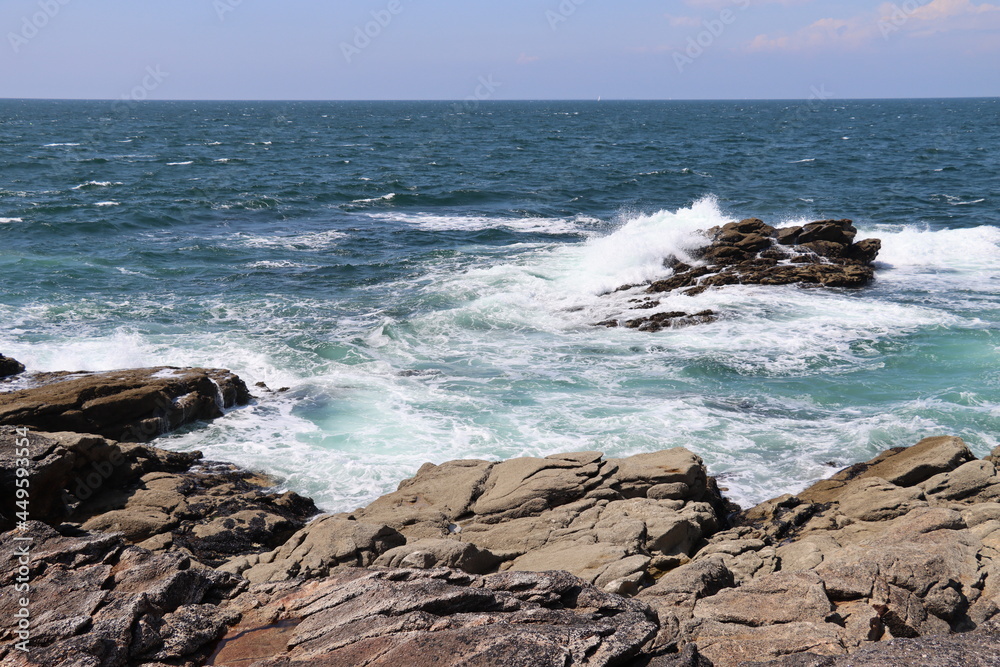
<point x="598" y="98"/>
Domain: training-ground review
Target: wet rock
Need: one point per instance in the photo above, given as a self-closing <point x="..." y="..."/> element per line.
<point x="131" y="405"/>
<point x="9" y="366"/>
<point x="749" y="252"/>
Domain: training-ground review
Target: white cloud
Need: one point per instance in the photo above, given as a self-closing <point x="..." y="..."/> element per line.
<point x="909" y="17"/>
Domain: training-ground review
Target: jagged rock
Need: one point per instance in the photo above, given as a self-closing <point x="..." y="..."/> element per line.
<point x="979" y="648"/>
<point x="9" y="366"/>
<point x="146" y="494"/>
<point x="94" y="600"/>
<point x="660" y="321"/>
<point x="577" y="512"/>
<point x="131" y="405"/>
<point x="440" y="617"/>
<point x="751" y="252"/>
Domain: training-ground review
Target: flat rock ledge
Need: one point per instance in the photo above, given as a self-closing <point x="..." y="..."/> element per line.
<point x="146" y="557"/>
<point x="751" y="252"/>
<point x="130" y="405"/>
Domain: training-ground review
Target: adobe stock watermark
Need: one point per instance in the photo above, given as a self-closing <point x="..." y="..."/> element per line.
<point x="562" y="13"/>
<point x="484" y="91"/>
<point x="35" y="23"/>
<point x="713" y="30"/>
<point x="366" y="34"/>
<point x="898" y="17"/>
<point x="22" y="550"/>
<point x="223" y="7"/>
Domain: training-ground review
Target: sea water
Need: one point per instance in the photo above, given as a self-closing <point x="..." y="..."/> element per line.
<point x="424" y="277"/>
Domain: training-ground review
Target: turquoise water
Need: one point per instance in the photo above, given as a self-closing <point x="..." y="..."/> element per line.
<point x="424" y="276"/>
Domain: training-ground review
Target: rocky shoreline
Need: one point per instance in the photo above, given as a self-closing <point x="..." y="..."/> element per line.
<point x="141" y="556"/>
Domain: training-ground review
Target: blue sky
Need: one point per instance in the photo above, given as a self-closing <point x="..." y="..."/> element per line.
<point x="510" y="49"/>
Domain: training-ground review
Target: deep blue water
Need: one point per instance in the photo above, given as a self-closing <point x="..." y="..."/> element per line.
<point x="424" y="276"/>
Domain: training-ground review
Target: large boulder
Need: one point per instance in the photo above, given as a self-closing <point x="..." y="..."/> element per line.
<point x="131" y="405"/>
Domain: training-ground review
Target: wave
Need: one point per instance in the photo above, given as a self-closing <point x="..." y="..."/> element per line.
<point x="7" y="221"/>
<point x="472" y="223"/>
<point x="95" y="184"/>
<point x="177" y="164"/>
<point x="107" y="203"/>
<point x="307" y="241"/>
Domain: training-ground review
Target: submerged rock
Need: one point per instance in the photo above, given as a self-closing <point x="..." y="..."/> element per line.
<point x="131" y="405"/>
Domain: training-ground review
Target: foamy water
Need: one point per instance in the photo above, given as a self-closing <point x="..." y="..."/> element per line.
<point x="454" y="319"/>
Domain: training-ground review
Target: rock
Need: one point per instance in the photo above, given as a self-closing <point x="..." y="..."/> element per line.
<point x="660" y="321"/>
<point x="777" y="598"/>
<point x="143" y="492"/>
<point x="9" y="367"/>
<point x="524" y="486"/>
<point x="824" y="253"/>
<point x="132" y="405"/>
<point x="902" y="467"/>
<point x="731" y="644"/>
<point x="425" y="617"/>
<point x="326" y="543"/>
<point x="95" y="600"/>
<point x="980" y="648"/>
<point x="425" y="554"/>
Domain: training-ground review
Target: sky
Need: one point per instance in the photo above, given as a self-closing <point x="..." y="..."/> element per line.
<point x="498" y="49"/>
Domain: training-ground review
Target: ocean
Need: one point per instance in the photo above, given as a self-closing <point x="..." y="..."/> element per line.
<point x="424" y="277"/>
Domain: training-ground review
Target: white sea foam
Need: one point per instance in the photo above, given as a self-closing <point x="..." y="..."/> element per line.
<point x="177" y="164"/>
<point x="7" y="221"/>
<point x="107" y="203"/>
<point x="95" y="184"/>
<point x="306" y="241"/>
<point x="54" y="145"/>
<point x="386" y="197"/>
<point x="467" y="223"/>
<point x="501" y="360"/>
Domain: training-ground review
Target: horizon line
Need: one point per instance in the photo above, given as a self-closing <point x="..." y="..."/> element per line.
<point x="496" y="101"/>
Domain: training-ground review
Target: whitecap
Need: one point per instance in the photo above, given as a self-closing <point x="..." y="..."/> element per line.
<point x="95" y="184"/>
<point x="5" y="221"/>
<point x="175" y="164"/>
<point x="473" y="223"/>
<point x="54" y="145"/>
<point x="108" y="203"/>
<point x="388" y="197"/>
